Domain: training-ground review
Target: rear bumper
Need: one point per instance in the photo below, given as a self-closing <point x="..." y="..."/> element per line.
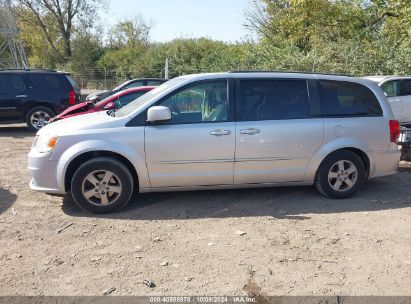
<point x="386" y="162"/>
<point x="43" y="172"/>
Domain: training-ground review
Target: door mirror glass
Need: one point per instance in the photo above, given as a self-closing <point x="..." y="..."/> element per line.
<point x="158" y="113"/>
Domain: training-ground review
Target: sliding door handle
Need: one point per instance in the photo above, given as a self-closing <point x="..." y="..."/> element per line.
<point x="250" y="131"/>
<point x="220" y="132"/>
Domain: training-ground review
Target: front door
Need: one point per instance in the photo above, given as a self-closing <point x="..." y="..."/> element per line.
<point x="276" y="129"/>
<point x="196" y="147"/>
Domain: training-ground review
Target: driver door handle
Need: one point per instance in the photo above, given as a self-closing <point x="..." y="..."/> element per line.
<point x="250" y="131"/>
<point x="21" y="96"/>
<point x="220" y="132"/>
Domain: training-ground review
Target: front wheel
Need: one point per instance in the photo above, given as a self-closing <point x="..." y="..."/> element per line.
<point x="102" y="185"/>
<point x="340" y="175"/>
<point x="38" y="117"/>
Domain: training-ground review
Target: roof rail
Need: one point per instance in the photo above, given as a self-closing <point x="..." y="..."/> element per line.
<point x="28" y="70"/>
<point x="290" y="72"/>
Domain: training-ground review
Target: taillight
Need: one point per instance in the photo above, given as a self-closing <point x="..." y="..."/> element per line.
<point x="395" y="130"/>
<point x="72" y="98"/>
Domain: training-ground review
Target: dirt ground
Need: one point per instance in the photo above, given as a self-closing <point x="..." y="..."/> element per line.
<point x="277" y="241"/>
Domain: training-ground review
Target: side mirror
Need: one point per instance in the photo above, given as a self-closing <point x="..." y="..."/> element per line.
<point x="158" y="113"/>
<point x="110" y="106"/>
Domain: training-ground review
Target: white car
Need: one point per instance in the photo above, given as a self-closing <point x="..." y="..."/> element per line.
<point x="219" y="131"/>
<point x="398" y="91"/>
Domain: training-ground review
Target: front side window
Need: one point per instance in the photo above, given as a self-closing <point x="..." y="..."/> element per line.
<point x="343" y="98"/>
<point x="391" y="88"/>
<point x="405" y="88"/>
<point x="201" y="102"/>
<point x="272" y="99"/>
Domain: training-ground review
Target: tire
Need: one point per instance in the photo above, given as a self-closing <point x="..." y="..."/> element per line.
<point x="43" y="115"/>
<point x="329" y="177"/>
<point x="90" y="183"/>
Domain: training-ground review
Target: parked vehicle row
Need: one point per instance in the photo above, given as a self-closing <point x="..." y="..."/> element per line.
<point x="38" y="97"/>
<point x="35" y="96"/>
<point x="134" y="83"/>
<point x="398" y="91"/>
<point x="224" y="130"/>
<point x="112" y="102"/>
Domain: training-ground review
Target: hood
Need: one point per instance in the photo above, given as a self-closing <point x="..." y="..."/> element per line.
<point x="80" y="106"/>
<point x="86" y="122"/>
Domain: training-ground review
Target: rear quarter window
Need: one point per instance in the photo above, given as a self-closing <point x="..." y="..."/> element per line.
<point x="73" y="83"/>
<point x="344" y="98"/>
<point x="50" y="82"/>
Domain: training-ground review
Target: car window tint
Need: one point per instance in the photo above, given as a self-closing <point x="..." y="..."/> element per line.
<point x="48" y="82"/>
<point x="11" y="83"/>
<point x="154" y="82"/>
<point x="202" y="102"/>
<point x="405" y="88"/>
<point x="73" y="83"/>
<point x="126" y="99"/>
<point x="134" y="85"/>
<point x="343" y="98"/>
<point x="391" y="88"/>
<point x="272" y="99"/>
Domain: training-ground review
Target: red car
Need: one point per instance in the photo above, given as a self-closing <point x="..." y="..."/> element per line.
<point x="112" y="102"/>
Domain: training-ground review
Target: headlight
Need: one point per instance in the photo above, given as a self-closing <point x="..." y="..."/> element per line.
<point x="46" y="143"/>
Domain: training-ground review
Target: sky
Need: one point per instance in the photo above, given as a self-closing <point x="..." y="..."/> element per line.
<point x="216" y="19"/>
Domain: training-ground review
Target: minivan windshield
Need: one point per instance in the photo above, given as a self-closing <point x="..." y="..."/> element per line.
<point x="132" y="106"/>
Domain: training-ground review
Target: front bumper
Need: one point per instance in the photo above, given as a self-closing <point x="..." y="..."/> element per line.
<point x="44" y="173"/>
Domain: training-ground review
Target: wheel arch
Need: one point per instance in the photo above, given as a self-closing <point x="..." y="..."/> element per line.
<point x="359" y="148"/>
<point x="70" y="156"/>
<point x="31" y="105"/>
<point x="80" y="159"/>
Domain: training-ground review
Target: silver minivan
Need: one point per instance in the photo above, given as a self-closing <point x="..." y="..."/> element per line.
<point x="222" y="130"/>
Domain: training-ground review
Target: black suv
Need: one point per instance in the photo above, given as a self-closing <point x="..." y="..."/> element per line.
<point x="35" y="96"/>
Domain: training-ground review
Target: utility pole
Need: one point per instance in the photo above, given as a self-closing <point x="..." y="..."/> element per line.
<point x="166" y="69"/>
<point x="12" y="54"/>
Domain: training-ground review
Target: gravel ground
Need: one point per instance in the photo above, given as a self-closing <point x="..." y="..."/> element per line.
<point x="276" y="241"/>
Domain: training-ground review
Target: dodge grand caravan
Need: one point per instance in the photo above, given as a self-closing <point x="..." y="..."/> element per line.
<point x="225" y="130"/>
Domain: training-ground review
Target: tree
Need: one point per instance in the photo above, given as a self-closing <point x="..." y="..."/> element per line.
<point x="350" y="36"/>
<point x="57" y="20"/>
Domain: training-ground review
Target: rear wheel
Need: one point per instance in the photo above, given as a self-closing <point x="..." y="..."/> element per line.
<point x="340" y="175"/>
<point x="102" y="185"/>
<point x="38" y="117"/>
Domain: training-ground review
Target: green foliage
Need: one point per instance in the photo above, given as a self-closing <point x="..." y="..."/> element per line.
<point x="358" y="37"/>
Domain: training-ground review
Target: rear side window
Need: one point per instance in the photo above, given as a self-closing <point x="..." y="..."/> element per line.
<point x="134" y="84"/>
<point x="52" y="82"/>
<point x="126" y="99"/>
<point x="343" y="98"/>
<point x="405" y="88"/>
<point x="11" y="83"/>
<point x="391" y="88"/>
<point x="154" y="82"/>
<point x="271" y="99"/>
